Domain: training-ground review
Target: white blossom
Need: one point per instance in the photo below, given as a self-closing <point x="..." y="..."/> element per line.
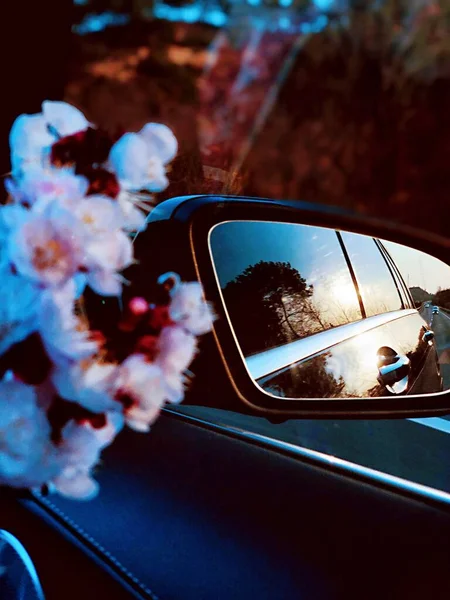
<point x="189" y="308"/>
<point x="139" y="159"/>
<point x="32" y="136"/>
<point x="38" y="187"/>
<point x="135" y="166"/>
<point x="19" y="300"/>
<point x="63" y="335"/>
<point x="144" y="385"/>
<point x="90" y="384"/>
<point x="105" y="256"/>
<point x="98" y="215"/>
<point x="79" y="453"/>
<point x="111" y="251"/>
<point x="63" y="118"/>
<point x="133" y="211"/>
<point x="177" y="348"/>
<point x="54" y="241"/>
<point x="47" y="247"/>
<point x="160" y="141"/>
<point x="29" y="141"/>
<point x="105" y="282"/>
<point x="27" y="457"/>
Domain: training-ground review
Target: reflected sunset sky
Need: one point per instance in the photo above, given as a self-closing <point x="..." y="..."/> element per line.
<point x="419" y="269"/>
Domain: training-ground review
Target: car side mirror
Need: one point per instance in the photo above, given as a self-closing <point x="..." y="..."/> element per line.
<point x="321" y="313"/>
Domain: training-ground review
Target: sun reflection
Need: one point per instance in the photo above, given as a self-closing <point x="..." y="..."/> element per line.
<point x="344" y="293"/>
<point x="356" y="362"/>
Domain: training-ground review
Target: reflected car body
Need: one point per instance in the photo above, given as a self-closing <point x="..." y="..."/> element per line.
<point x="435" y="310"/>
<point x="347" y="368"/>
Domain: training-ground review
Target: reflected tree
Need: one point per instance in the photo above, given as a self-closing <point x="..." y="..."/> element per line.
<point x="265" y="302"/>
<point x="442" y="298"/>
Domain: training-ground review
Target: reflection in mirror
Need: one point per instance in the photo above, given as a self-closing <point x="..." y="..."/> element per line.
<point x="319" y="313"/>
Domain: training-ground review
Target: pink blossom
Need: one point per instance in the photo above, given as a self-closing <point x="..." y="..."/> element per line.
<point x="27" y="457"/>
<point x="177" y="349"/>
<point x="40" y="187"/>
<point x="90" y="385"/>
<point x="112" y="251"/>
<point x="79" y="453"/>
<point x="98" y="215"/>
<point x="47" y="248"/>
<point x="31" y="136"/>
<point x="139" y="159"/>
<point x="144" y="388"/>
<point x="135" y="165"/>
<point x="63" y="336"/>
<point x="189" y="308"/>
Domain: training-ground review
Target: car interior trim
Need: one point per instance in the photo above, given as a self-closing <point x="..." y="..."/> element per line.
<point x="270" y="361"/>
<point x="91" y="544"/>
<point x="26" y="559"/>
<point x="392" y="482"/>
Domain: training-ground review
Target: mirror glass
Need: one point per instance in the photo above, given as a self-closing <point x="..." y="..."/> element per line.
<point x="319" y="313"/>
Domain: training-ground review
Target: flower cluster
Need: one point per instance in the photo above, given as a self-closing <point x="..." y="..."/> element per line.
<point x="65" y="228"/>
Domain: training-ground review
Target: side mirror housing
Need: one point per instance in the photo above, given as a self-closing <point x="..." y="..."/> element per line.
<point x="290" y="346"/>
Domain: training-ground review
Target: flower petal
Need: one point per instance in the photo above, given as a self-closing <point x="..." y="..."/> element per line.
<point x="63" y="118"/>
<point x="177" y="349"/>
<point x="129" y="161"/>
<point x="29" y="140"/>
<point x="160" y="141"/>
<point x="105" y="282"/>
<point x="90" y="386"/>
<point x="98" y="214"/>
<point x="75" y="485"/>
<point x="27" y="456"/>
<point x="111" y="251"/>
<point x="18" y="309"/>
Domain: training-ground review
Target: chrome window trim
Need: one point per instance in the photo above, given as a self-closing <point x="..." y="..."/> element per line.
<point x="263" y="364"/>
<point x="371" y="476"/>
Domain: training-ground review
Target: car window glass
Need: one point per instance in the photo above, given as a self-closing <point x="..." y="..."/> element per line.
<point x="403" y="289"/>
<point x="282" y="282"/>
<point x="377" y="286"/>
<point x="427" y="278"/>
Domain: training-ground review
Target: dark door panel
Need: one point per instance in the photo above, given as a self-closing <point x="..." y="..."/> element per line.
<point x="198" y="514"/>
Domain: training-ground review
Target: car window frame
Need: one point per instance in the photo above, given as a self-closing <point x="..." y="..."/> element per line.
<point x="397" y="271"/>
<point x="377" y="244"/>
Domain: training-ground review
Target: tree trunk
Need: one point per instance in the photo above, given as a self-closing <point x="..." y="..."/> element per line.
<point x="286" y="318"/>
